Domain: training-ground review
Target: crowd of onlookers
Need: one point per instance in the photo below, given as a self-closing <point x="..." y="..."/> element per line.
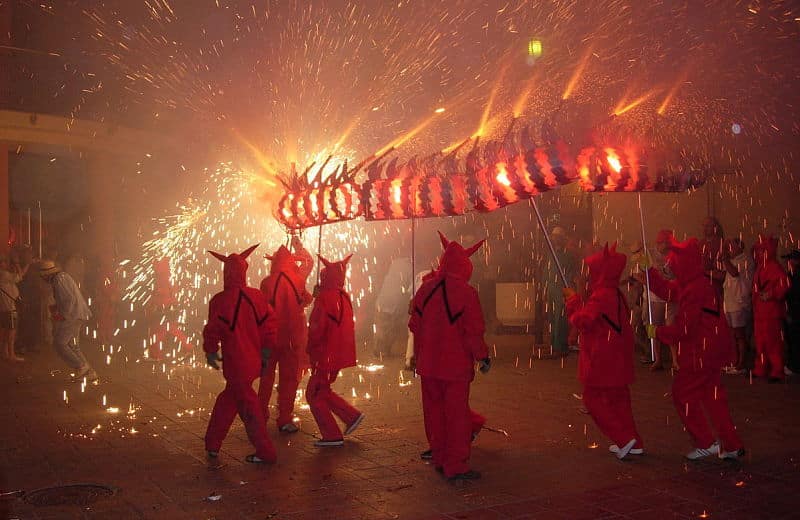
<point x="747" y="279"/>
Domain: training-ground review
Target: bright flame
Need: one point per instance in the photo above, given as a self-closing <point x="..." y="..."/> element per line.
<point x="502" y="177"/>
<point x="613" y="160"/>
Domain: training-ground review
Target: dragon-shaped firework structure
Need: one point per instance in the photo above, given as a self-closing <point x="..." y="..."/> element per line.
<point x="489" y="177"/>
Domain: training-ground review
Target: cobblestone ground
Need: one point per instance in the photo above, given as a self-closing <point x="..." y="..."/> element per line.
<point x="140" y="431"/>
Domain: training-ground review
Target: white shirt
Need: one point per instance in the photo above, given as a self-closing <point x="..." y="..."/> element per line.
<point x="69" y="300"/>
<point x="737" y="289"/>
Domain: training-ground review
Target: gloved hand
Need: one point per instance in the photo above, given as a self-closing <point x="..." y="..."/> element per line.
<point x="568" y="292"/>
<point x="212" y="358"/>
<point x="651" y="330"/>
<point x="265" y="354"/>
<point x="484" y="365"/>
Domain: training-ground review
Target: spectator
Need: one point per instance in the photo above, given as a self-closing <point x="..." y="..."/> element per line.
<point x="633" y="290"/>
<point x="660" y="311"/>
<point x="559" y="328"/>
<point x="711" y="246"/>
<point x="69" y="313"/>
<point x="792" y="320"/>
<point x="391" y="306"/>
<point x="737" y="290"/>
<point x="29" y="307"/>
<point x="9" y="296"/>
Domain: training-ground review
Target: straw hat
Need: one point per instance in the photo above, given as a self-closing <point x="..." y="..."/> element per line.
<point x="48" y="268"/>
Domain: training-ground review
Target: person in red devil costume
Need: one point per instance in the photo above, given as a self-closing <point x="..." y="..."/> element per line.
<point x="285" y="290"/>
<point x="447" y="322"/>
<point x="770" y="285"/>
<point x="605" y="362"/>
<point x="241" y="322"/>
<point x="704" y="345"/>
<point x="331" y="347"/>
<point x="164" y="301"/>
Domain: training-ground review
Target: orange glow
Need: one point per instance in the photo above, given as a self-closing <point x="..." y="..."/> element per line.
<point x="488" y="108"/>
<point x="620" y="109"/>
<point x="613" y="160"/>
<point x="522" y="100"/>
<point x="502" y="175"/>
<point x="576" y="76"/>
<point x="346" y="134"/>
<point x="405" y="137"/>
<point x="674" y="90"/>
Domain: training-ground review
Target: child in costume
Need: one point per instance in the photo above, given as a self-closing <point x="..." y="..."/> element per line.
<point x="331" y="347"/>
<point x="605" y="362"/>
<point x="448" y="326"/>
<point x="770" y="285"/>
<point x="241" y="322"/>
<point x="704" y="345"/>
<point x="285" y="290"/>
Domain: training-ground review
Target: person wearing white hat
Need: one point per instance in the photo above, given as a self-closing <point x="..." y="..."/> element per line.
<point x="69" y="314"/>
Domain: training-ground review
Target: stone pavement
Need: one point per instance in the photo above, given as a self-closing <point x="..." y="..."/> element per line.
<point x="140" y="432"/>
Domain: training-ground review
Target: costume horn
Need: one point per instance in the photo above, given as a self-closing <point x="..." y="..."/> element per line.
<point x="324" y="261"/>
<point x="246" y="252"/>
<point x="221" y="258"/>
<point x="470" y="251"/>
<point x="443" y="239"/>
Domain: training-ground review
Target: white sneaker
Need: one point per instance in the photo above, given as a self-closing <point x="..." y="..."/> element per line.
<point x="634" y="451"/>
<point x="322" y="443"/>
<point x="699" y="453"/>
<point x="350" y="429"/>
<point x="86" y="371"/>
<point x="787" y="371"/>
<point x="732" y="455"/>
<point x="623" y="451"/>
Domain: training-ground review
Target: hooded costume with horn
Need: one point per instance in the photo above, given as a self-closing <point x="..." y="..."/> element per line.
<point x="331" y="347"/>
<point x="447" y="322"/>
<point x="605" y="363"/>
<point x="241" y="322"/>
<point x="770" y="286"/>
<point x="285" y="290"/>
<point x="704" y="345"/>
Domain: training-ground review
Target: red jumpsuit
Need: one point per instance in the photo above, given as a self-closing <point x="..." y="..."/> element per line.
<point x="240" y="321"/>
<point x="285" y="290"/>
<point x="331" y="347"/>
<point x="605" y="363"/>
<point x="704" y="344"/>
<point x="770" y="285"/>
<point x="447" y="322"/>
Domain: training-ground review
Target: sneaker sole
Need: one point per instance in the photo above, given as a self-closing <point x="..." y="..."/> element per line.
<point x="350" y="429"/>
<point x="328" y="444"/>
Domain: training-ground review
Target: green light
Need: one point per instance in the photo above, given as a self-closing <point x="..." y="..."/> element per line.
<point x="535" y="48"/>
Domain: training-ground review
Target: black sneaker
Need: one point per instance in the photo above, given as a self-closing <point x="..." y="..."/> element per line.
<point x="467" y="475"/>
<point x="426" y="455"/>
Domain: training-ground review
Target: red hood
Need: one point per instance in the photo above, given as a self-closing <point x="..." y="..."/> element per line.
<point x="605" y="267"/>
<point x="333" y="274"/>
<point x="235" y="270"/>
<point x="282" y="260"/>
<point x="685" y="260"/>
<point x="765" y="249"/>
<point x="455" y="259"/>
